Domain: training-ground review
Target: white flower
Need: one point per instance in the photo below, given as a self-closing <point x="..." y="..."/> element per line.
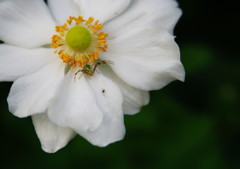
<point x="58" y="86"/>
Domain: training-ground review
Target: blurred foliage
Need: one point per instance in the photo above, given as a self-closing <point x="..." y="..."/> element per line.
<point x="191" y="125"/>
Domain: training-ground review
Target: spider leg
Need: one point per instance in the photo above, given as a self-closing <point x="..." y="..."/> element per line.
<point x="95" y="67"/>
<point x="107" y="62"/>
<point x="80" y="75"/>
<point x="99" y="63"/>
<point x="88" y="76"/>
<point x="76" y="75"/>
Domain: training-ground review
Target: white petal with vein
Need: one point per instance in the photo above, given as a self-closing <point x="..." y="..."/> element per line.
<point x="25" y="23"/>
<point x="17" y="62"/>
<point x="75" y="105"/>
<point x="109" y="99"/>
<point x="103" y="10"/>
<point x="51" y="136"/>
<point x="147" y="59"/>
<point x="62" y="9"/>
<point x="133" y="98"/>
<point x="31" y="94"/>
<point x="145" y="13"/>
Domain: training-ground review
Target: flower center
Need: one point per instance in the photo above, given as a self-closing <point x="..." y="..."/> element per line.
<point x="79" y="42"/>
<point x="79" y="38"/>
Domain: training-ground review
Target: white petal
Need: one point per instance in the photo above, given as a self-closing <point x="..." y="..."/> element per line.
<point x="75" y="105"/>
<point x="103" y="10"/>
<point x="16" y="62"/>
<point x="31" y="94"/>
<point x="147" y="59"/>
<point x="109" y="99"/>
<point x="145" y="13"/>
<point x="62" y="9"/>
<point x="51" y="136"/>
<point x="133" y="98"/>
<point x="25" y="23"/>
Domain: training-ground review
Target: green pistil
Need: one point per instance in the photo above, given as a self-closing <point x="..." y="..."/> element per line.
<point x="78" y="38"/>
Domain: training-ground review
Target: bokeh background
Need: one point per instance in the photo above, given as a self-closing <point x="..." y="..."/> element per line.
<point x="191" y="125"/>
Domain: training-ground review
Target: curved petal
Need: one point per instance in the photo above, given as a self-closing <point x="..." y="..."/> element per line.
<point x="145" y="13"/>
<point x="51" y="136"/>
<point x="25" y="23"/>
<point x="103" y="10"/>
<point x="109" y="99"/>
<point x="147" y="62"/>
<point x="133" y="98"/>
<point x="58" y="6"/>
<point x="31" y="94"/>
<point x="75" y="105"/>
<point x="16" y="62"/>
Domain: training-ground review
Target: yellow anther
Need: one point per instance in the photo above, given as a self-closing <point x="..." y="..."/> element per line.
<point x="90" y="20"/>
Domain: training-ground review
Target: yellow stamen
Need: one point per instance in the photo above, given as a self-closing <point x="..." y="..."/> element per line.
<point x="83" y="45"/>
<point x="89" y="21"/>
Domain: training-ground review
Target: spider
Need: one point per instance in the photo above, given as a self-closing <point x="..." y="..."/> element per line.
<point x="90" y="70"/>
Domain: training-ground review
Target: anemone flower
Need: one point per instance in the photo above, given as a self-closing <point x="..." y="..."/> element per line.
<point x="78" y="66"/>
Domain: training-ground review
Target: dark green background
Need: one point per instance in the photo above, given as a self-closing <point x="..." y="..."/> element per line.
<point x="191" y="125"/>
